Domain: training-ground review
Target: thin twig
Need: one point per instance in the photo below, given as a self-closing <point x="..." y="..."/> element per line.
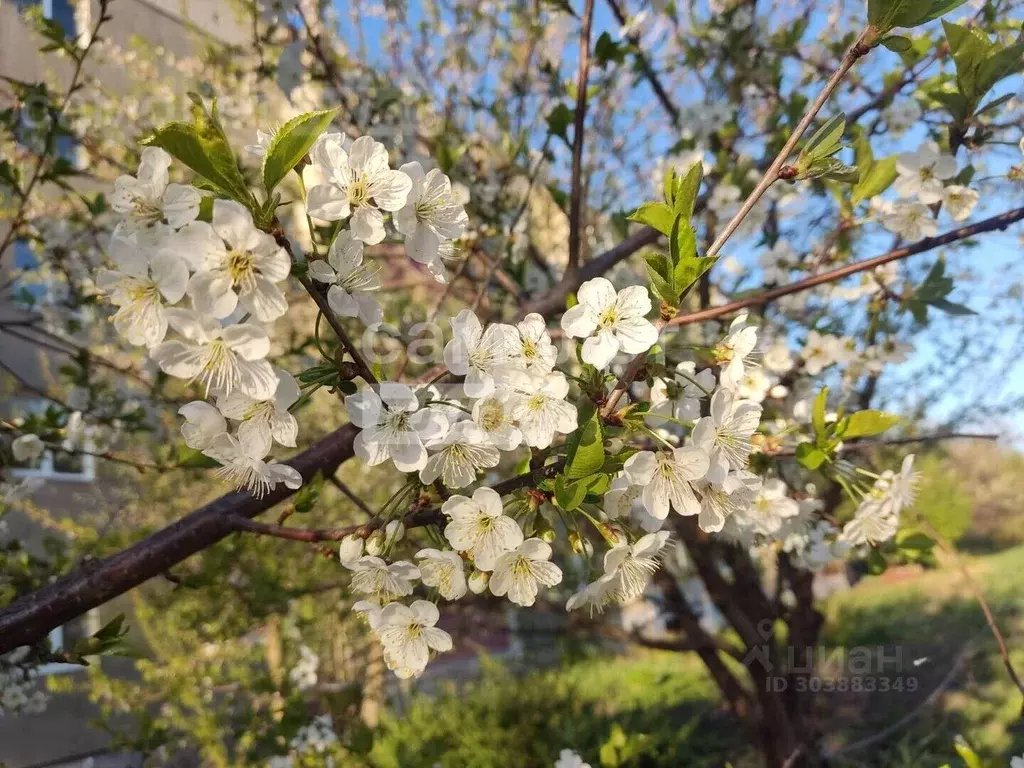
<point x="337" y="483"/>
<point x="867" y="445"/>
<point x="51" y="134"/>
<point x="339" y="329"/>
<point x="770" y="176"/>
<point x="578" y="183"/>
<point x="999" y="222"/>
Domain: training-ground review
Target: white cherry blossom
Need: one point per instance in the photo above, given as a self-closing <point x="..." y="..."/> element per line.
<point x="394" y="426"/>
<point x="620" y="497"/>
<point x="482" y="356"/>
<point x="544" y="412"/>
<point x="771" y="506"/>
<point x="241" y="266"/>
<point x="203" y="424"/>
<point x="431" y="214"/>
<point x="911" y="220"/>
<point x="371" y="575"/>
<point x="610" y="321"/>
<point x="444" y="570"/>
<point x="479" y="527"/>
<point x="244" y="464"/>
<point x="959" y="201"/>
<point x="627" y="572"/>
<point x="667" y="478"/>
<point x="358" y="182"/>
<point x="732" y="352"/>
<point x="921" y="173"/>
<point x="724" y="494"/>
<point x="519" y="572"/>
<point x="408" y="635"/>
<point x="351" y="283"/>
<point x="27" y="448"/>
<point x="144" y="283"/>
<point x="459" y="455"/>
<point x="822" y="350"/>
<point x="222" y="359"/>
<point x="725" y="434"/>
<point x="148" y="201"/>
<point x="493" y="414"/>
<point x="533" y="351"/>
<point x="265" y="419"/>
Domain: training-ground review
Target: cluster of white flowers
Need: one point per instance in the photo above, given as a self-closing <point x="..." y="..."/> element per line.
<point x="231" y="273"/>
<point x="517" y="398"/>
<point x="304" y="673"/>
<point x="925" y="178"/>
<point x="18" y="682"/>
<point x="878" y="516"/>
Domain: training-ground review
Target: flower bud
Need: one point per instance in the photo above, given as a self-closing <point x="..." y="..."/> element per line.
<point x="351" y="548"/>
<point x="375" y="544"/>
<point x="478" y="582"/>
<point x="394" y="532"/>
<point x="580" y="545"/>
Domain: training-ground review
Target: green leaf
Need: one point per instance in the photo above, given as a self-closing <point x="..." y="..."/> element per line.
<point x="656" y="215"/>
<point x="830" y="168"/>
<point x="570" y="493"/>
<point x="559" y="119"/>
<point x="291" y="143"/>
<point x="607" y="50"/>
<point x="825" y="141"/>
<point x="659" y="271"/>
<point x="203" y="147"/>
<point x="809" y="456"/>
<point x="585" y="449"/>
<point x="669" y="186"/>
<point x="309" y="494"/>
<point x="897" y="44"/>
<point x="878" y="177"/>
<point x="686" y="190"/>
<point x="968" y="755"/>
<point x="193" y="459"/>
<point x="818" y="415"/>
<point x="915" y="541"/>
<point x="689" y="270"/>
<point x="940" y="8"/>
<point x="951" y="307"/>
<point x="876" y="562"/>
<point x="869" y="422"/>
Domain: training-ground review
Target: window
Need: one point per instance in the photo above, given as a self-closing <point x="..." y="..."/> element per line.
<point x="56" y="464"/>
<point x="61" y="11"/>
<point x="84" y="626"/>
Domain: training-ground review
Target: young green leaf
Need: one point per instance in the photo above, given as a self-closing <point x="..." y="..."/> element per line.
<point x="585" y="449"/>
<point x="656" y="215"/>
<point x="878" y="177"/>
<point x="818" y="415"/>
<point x="291" y="143"/>
<point x="203" y="147"/>
<point x="686" y="190"/>
<point x="825" y="141"/>
<point x="868" y="423"/>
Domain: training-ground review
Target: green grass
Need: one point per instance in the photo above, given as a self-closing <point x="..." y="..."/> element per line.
<point x="934" y="616"/>
<point x="668" y="706"/>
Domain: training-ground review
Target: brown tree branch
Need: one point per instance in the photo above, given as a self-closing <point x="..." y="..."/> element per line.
<point x="999" y="222"/>
<point x="578" y="183"/>
<point x="31" y="617"/>
<point x="646" y="68"/>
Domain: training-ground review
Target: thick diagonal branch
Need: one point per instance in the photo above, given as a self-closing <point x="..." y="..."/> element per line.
<point x="33" y="616"/>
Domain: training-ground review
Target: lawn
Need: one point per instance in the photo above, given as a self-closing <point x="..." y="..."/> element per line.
<point x="660" y="709"/>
